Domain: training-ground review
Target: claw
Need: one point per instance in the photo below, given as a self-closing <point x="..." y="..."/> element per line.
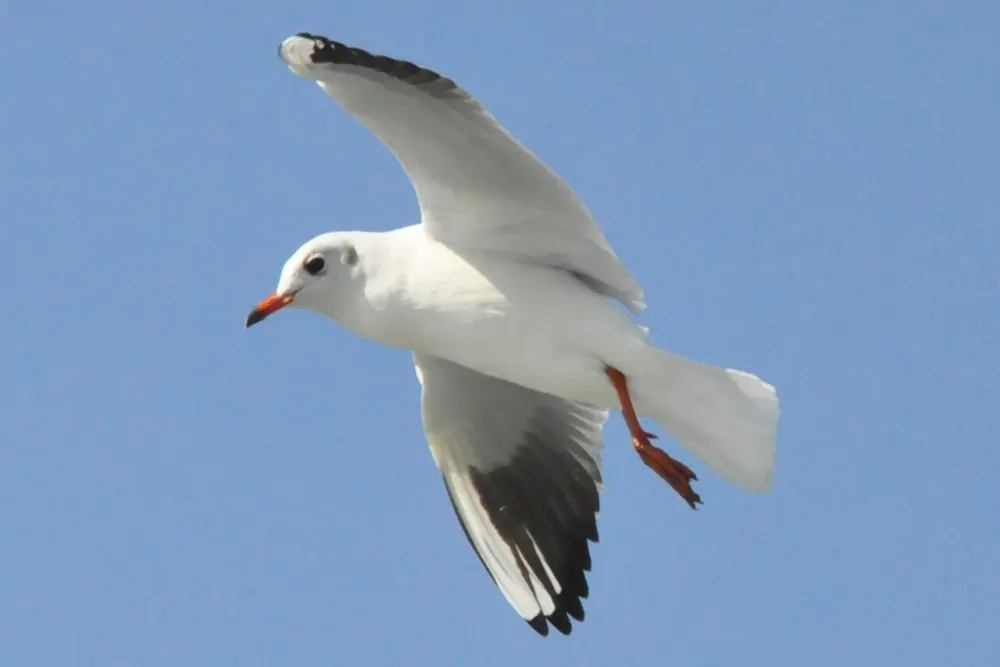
<point x="673" y="472"/>
<point x="687" y="472"/>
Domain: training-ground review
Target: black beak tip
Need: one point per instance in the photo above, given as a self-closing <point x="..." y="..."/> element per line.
<point x="254" y="317"/>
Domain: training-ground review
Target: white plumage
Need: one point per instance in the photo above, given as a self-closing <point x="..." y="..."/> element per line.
<point x="503" y="292"/>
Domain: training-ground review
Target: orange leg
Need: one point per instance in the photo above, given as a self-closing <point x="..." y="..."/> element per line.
<point x="675" y="473"/>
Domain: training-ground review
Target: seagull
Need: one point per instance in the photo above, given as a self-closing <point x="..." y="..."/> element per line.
<point x="513" y="305"/>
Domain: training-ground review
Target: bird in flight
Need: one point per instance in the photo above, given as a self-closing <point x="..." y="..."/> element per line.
<point x="505" y="292"/>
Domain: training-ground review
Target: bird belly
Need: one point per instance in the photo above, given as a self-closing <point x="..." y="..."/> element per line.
<point x="535" y="326"/>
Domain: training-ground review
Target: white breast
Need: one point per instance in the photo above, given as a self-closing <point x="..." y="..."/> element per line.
<point x="537" y="326"/>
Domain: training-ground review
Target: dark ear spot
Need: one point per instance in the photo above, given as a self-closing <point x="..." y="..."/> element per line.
<point x="348" y="255"/>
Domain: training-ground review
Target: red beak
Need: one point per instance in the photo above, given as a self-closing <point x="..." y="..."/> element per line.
<point x="271" y="304"/>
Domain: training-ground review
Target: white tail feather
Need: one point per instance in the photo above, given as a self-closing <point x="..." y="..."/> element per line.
<point x="727" y="418"/>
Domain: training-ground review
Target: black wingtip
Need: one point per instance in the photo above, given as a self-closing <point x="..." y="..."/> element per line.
<point x="560" y="618"/>
<point x="331" y="52"/>
<point x="303" y="35"/>
<point x="539" y="625"/>
<point x="560" y="621"/>
<point x="575" y="608"/>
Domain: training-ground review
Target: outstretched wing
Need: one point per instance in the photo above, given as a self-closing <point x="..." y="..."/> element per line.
<point x="478" y="188"/>
<point x="522" y="470"/>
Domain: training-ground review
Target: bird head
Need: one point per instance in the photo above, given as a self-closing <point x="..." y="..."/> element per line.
<point x="313" y="277"/>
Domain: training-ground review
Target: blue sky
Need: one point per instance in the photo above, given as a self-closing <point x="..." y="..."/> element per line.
<point x="807" y="191"/>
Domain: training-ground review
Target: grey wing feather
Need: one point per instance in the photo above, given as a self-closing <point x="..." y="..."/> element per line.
<point x="477" y="186"/>
<point x="522" y="470"/>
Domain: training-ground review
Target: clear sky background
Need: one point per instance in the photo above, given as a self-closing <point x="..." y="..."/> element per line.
<point x="806" y="190"/>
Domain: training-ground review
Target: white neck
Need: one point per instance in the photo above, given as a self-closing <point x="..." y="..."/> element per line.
<point x="376" y="302"/>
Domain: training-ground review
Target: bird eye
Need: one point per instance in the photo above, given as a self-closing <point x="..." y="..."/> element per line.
<point x="314" y="265"/>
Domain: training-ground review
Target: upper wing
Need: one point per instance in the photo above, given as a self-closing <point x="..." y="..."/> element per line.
<point x="522" y="470"/>
<point x="478" y="187"/>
